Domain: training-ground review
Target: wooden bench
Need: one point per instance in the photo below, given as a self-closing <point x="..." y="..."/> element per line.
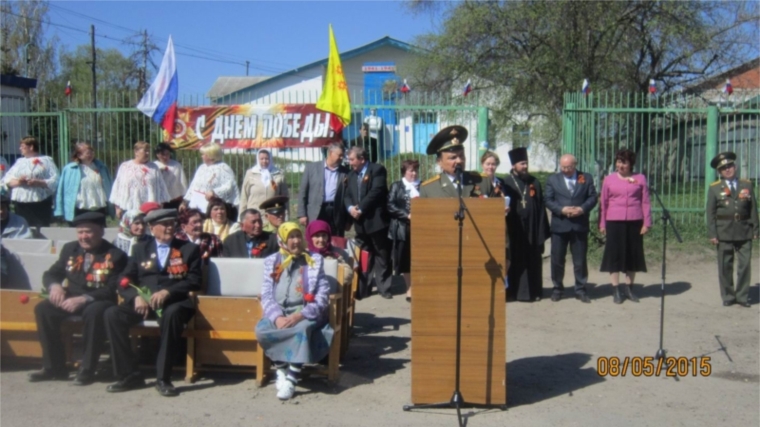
<point x="222" y="332"/>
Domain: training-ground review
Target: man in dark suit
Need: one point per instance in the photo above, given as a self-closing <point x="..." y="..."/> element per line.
<point x="170" y="269"/>
<point x="367" y="142"/>
<point x="570" y="196"/>
<point x="82" y="282"/>
<point x="367" y="203"/>
<point x="322" y="191"/>
<point x="251" y="241"/>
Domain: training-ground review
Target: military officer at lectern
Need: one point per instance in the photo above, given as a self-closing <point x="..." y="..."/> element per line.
<point x="731" y="225"/>
<point x="449" y="151"/>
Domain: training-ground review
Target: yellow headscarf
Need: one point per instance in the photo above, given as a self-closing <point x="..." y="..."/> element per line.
<point x="282" y="237"/>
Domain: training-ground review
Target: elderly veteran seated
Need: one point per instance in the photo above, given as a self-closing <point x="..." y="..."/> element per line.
<point x="294" y="297"/>
<point x="191" y="230"/>
<point x="168" y="268"/>
<point x="275" y="210"/>
<point x="13" y="226"/>
<point x="251" y="241"/>
<point x="83" y="282"/>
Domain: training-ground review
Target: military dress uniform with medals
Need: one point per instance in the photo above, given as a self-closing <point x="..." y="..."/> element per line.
<point x="732" y="219"/>
<point x="179" y="273"/>
<point x="443" y="185"/>
<point x="93" y="274"/>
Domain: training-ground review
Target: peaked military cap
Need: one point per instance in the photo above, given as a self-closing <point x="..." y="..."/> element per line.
<point x="274" y="205"/>
<point x="448" y="139"/>
<point x="160" y="215"/>
<point x="96" y="218"/>
<point x="723" y="159"/>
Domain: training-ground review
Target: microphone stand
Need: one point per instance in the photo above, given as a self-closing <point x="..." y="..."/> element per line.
<point x="661" y="352"/>
<point x="456" y="399"/>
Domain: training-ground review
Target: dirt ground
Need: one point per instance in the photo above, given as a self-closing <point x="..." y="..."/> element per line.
<point x="552" y="379"/>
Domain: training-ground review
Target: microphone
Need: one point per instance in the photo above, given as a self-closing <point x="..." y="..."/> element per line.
<point x="458" y="172"/>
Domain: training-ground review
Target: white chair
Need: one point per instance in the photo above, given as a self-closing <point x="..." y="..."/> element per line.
<point x="29" y="246"/>
<point x="235" y="277"/>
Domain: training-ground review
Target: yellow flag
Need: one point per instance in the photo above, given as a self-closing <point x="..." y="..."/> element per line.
<point x="334" y="98"/>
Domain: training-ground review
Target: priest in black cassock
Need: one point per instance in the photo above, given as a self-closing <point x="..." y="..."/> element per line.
<point x="528" y="229"/>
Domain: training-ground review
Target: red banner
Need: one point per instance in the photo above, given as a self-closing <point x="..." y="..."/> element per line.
<point x="253" y="126"/>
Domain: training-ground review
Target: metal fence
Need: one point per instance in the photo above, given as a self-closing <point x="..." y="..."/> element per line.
<point x="674" y="136"/>
<point x="115" y="124"/>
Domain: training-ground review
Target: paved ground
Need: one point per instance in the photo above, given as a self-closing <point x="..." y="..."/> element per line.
<point x="552" y="352"/>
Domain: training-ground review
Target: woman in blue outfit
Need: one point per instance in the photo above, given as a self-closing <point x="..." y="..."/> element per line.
<point x="84" y="185"/>
<point x="294" y="297"/>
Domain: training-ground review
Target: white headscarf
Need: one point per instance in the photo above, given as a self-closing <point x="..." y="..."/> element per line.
<point x="266" y="174"/>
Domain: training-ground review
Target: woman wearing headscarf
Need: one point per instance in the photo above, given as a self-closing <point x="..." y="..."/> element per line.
<point x="400" y="210"/>
<point x="34" y="179"/>
<point x="319" y="240"/>
<point x="131" y="231"/>
<point x="218" y="219"/>
<point x="214" y="178"/>
<point x="262" y="182"/>
<point x="85" y="184"/>
<point x="294" y="297"/>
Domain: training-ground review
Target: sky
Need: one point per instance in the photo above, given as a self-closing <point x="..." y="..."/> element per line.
<point x="274" y="36"/>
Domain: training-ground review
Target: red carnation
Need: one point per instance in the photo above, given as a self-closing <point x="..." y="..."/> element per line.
<point x="144" y="169"/>
<point x="24" y="298"/>
<point x="308" y="297"/>
<point x="2" y="168"/>
<point x="36" y="162"/>
<point x="124" y="283"/>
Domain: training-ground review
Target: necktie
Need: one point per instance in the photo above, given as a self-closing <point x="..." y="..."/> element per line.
<point x="571" y="185"/>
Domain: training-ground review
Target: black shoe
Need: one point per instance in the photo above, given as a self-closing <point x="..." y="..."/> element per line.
<point x="617" y="296"/>
<point x="583" y="298"/>
<point x="166" y="388"/>
<point x="556" y="296"/>
<point x="84" y="377"/>
<point x="728" y="303"/>
<point x="48" y="375"/>
<point x="386" y="295"/>
<point x="130" y="382"/>
<point x="744" y="304"/>
<point x="629" y="293"/>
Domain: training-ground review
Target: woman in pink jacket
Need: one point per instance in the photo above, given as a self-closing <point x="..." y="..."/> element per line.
<point x="625" y="217"/>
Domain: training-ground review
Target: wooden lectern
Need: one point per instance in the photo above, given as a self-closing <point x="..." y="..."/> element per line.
<point x="435" y="240"/>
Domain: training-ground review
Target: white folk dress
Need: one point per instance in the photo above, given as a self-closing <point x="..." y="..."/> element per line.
<point x="137" y="183"/>
<point x="174" y="177"/>
<point x="91" y="194"/>
<point x="40" y="167"/>
<point x="218" y="178"/>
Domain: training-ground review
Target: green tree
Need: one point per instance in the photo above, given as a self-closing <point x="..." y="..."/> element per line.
<point x="526" y="54"/>
<point x="26" y="49"/>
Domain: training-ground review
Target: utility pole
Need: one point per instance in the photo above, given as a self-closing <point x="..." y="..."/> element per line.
<point x="144" y="73"/>
<point x="94" y="88"/>
<point x="247" y="63"/>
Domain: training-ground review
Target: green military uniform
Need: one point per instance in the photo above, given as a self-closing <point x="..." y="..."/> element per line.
<point x="732" y="219"/>
<point x="473" y="185"/>
<point x="450" y="139"/>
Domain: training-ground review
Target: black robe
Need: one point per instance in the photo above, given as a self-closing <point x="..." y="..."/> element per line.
<point x="528" y="229"/>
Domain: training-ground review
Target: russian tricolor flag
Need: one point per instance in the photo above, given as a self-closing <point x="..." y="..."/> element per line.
<point x="652" y="87"/>
<point x="67" y="91"/>
<point x="728" y="89"/>
<point x="586" y="87"/>
<point x="467" y="88"/>
<point x="160" y="101"/>
<point x="405" y="88"/>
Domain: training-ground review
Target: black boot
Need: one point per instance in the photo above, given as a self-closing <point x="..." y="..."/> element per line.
<point x="617" y="296"/>
<point x="629" y="293"/>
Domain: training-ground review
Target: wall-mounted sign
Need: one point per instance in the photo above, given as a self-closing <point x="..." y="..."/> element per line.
<point x="379" y="68"/>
